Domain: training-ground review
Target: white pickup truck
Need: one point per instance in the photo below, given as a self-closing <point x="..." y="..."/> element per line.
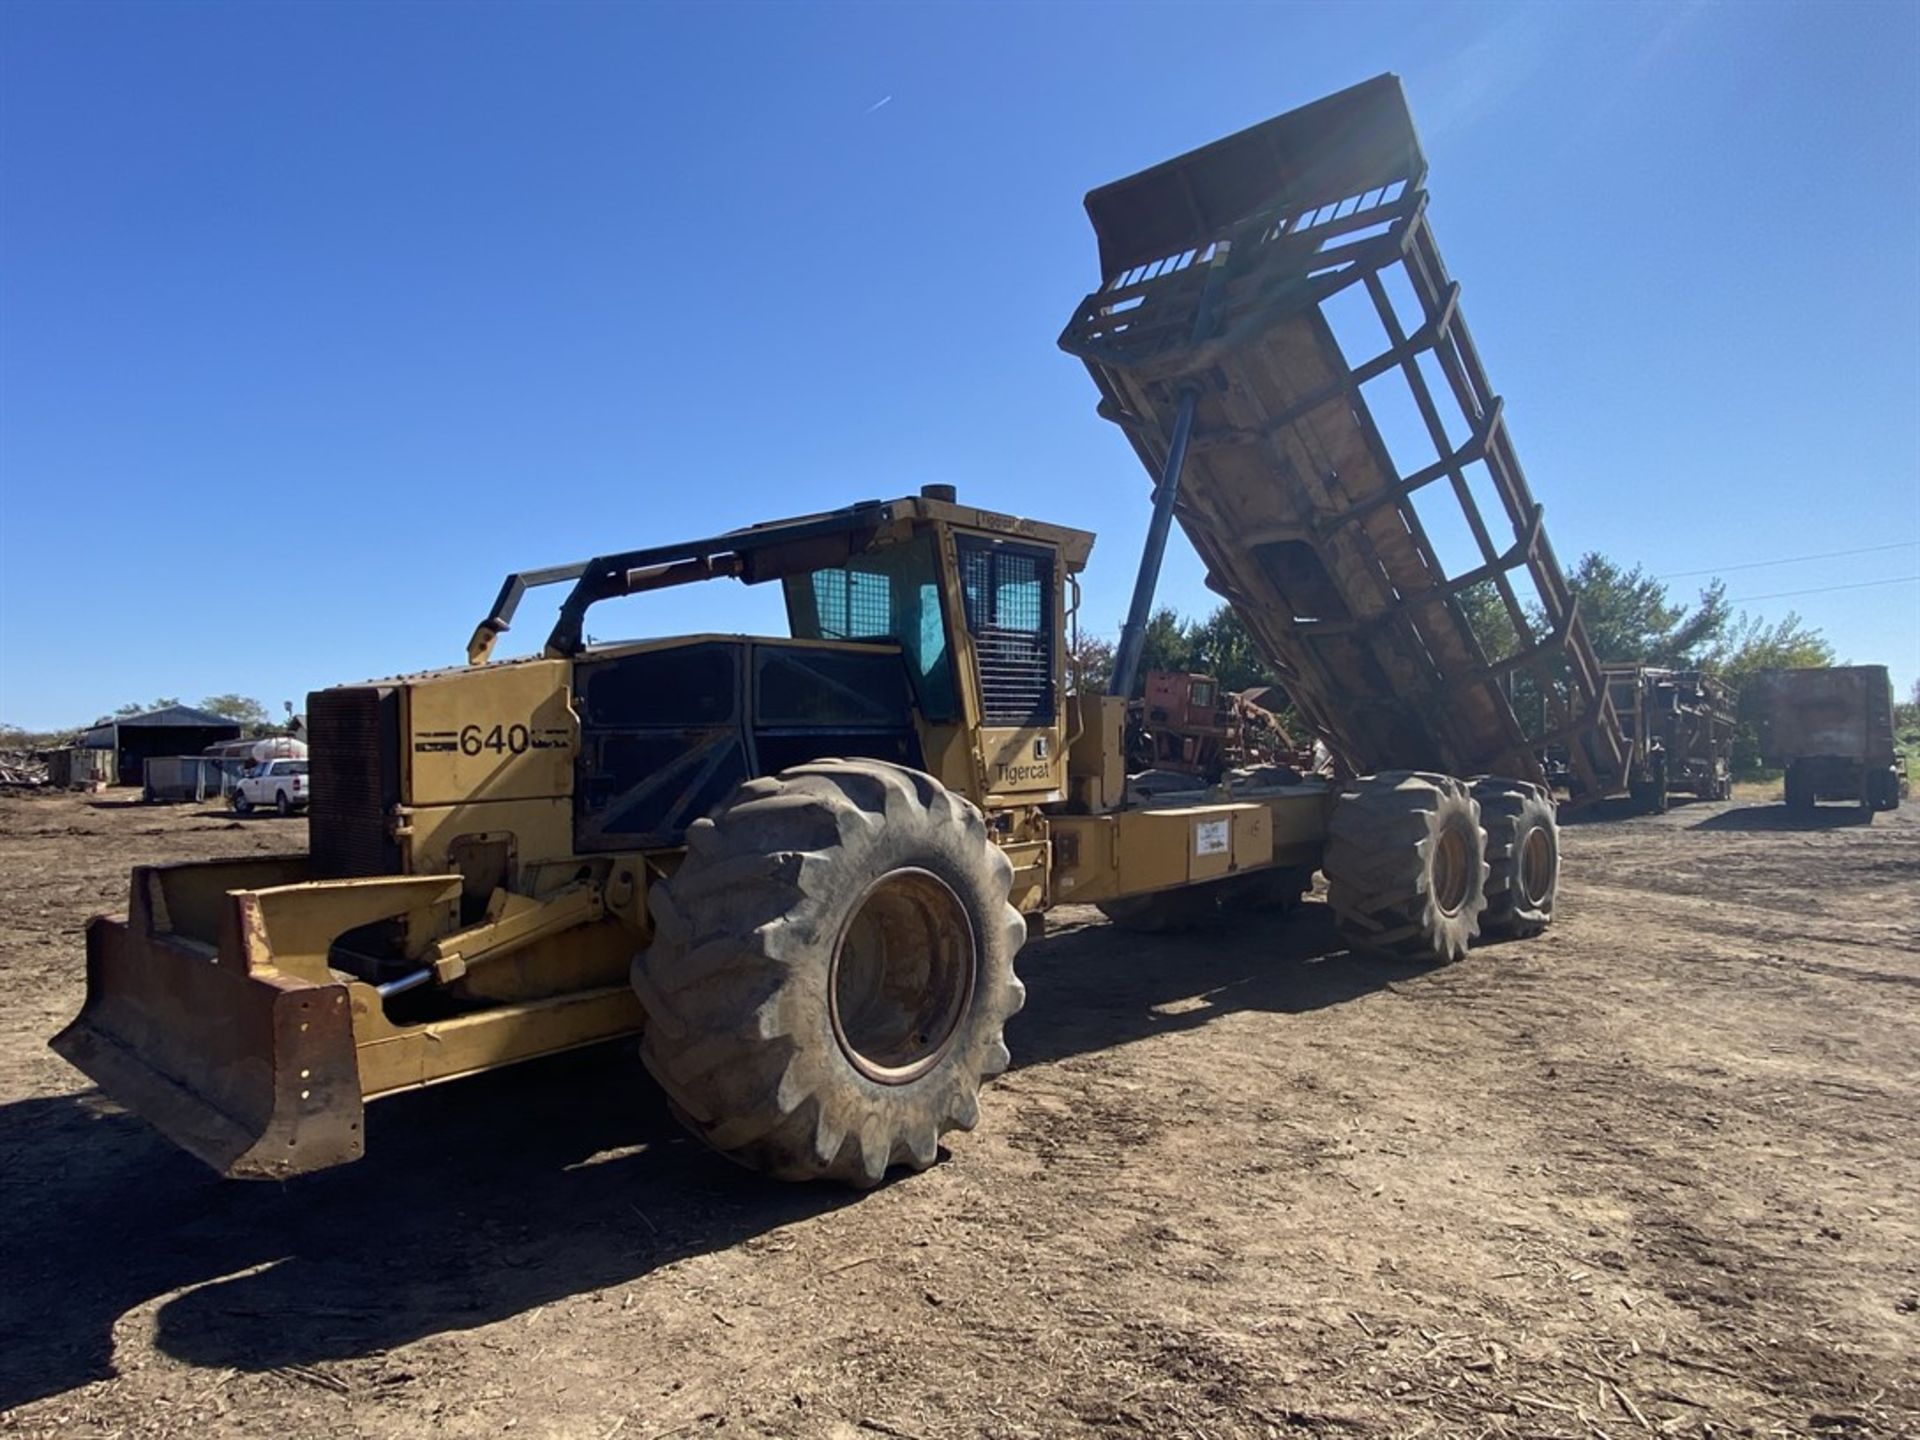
<point x="279" y="783"/>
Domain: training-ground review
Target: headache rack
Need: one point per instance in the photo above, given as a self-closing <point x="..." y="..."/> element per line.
<point x="1279" y="339"/>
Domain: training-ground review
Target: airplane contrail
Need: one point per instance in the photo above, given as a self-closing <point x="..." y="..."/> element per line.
<point x="883" y="100"/>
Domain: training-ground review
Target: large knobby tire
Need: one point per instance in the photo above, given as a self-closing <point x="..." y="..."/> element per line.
<point x="1883" y="789"/>
<point x="1523" y="856"/>
<point x="1799" y="789"/>
<point x="830" y="972"/>
<point x="1650" y="795"/>
<point x="1406" y="866"/>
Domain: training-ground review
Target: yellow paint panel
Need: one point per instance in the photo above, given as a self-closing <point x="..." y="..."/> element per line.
<point x="500" y="732"/>
<point x="541" y="830"/>
<point x="1025" y="763"/>
<point x="395" y="1057"/>
<point x="1096" y="761"/>
<point x="948" y="750"/>
<point x="1101" y="856"/>
<point x="1151" y="849"/>
<point x="1083" y="858"/>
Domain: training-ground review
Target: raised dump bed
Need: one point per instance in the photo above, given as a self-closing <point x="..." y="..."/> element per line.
<point x="1274" y="312"/>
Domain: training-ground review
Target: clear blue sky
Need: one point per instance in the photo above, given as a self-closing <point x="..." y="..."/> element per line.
<point x="315" y="320"/>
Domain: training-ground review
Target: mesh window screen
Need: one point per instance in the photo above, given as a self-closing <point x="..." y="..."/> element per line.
<point x="1008" y="599"/>
<point x="976" y="577"/>
<point x="890" y="593"/>
<point x="852" y="604"/>
<point x="1016" y="593"/>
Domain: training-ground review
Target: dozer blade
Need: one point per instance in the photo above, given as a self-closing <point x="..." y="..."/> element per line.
<point x="212" y="1011"/>
<point x="191" y="1024"/>
<point x="255" y="1077"/>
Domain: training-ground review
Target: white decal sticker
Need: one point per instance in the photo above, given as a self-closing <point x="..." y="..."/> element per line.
<point x="1211" y="837"/>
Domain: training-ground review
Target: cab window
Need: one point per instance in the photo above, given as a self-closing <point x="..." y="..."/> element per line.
<point x="1009" y="597"/>
<point x="887" y="594"/>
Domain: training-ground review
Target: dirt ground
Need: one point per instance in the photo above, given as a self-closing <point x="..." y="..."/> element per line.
<point x="1656" y="1172"/>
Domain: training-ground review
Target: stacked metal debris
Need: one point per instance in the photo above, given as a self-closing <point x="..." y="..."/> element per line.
<point x="22" y="769"/>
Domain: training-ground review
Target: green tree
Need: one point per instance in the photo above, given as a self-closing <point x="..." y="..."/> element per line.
<point x="1223" y="647"/>
<point x="1491" y="621"/>
<point x="1906" y="732"/>
<point x="1752" y="645"/>
<point x="1630" y="619"/>
<point x="134" y="707"/>
<point x="18" y="737"/>
<point x="1089" y="664"/>
<point x="1749" y="646"/>
<point x="1168" y="645"/>
<point x="248" y="711"/>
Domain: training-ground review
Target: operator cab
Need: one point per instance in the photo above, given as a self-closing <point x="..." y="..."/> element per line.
<point x="922" y="632"/>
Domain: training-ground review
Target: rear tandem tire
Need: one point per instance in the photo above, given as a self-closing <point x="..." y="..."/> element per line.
<point x="831" y="971"/>
<point x="1523" y="857"/>
<point x="1650" y="795"/>
<point x="1406" y="866"/>
<point x="1883" y="789"/>
<point x="1799" y="791"/>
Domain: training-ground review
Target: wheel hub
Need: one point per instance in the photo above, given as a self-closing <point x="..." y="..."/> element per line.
<point x="903" y="975"/>
<point x="1536" y="867"/>
<point x="1452" y="870"/>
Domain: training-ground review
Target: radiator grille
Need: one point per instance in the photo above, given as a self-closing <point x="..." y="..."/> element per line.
<point x="1009" y="595"/>
<point x="353" y="738"/>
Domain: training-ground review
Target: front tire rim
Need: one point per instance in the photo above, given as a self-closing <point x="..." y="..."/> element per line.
<point x="903" y="974"/>
<point x="1452" y="870"/>
<point x="1536" y="867"/>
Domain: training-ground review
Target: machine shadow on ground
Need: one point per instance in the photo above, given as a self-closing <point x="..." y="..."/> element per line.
<point x="483" y="1199"/>
<point x="1781" y="817"/>
<point x="1619" y="808"/>
<point x="1093" y="986"/>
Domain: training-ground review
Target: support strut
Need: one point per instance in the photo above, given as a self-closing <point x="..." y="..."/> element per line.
<point x="1126" y="663"/>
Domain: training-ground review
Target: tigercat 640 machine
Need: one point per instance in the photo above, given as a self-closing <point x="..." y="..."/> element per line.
<point x="800" y="868"/>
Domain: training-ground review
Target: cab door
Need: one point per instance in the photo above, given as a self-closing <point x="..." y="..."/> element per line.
<point x="1010" y="593"/>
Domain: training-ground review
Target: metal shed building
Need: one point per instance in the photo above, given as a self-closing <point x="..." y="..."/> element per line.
<point x="175" y="730"/>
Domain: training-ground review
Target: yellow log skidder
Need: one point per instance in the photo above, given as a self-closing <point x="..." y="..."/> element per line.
<point x="800" y="868"/>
